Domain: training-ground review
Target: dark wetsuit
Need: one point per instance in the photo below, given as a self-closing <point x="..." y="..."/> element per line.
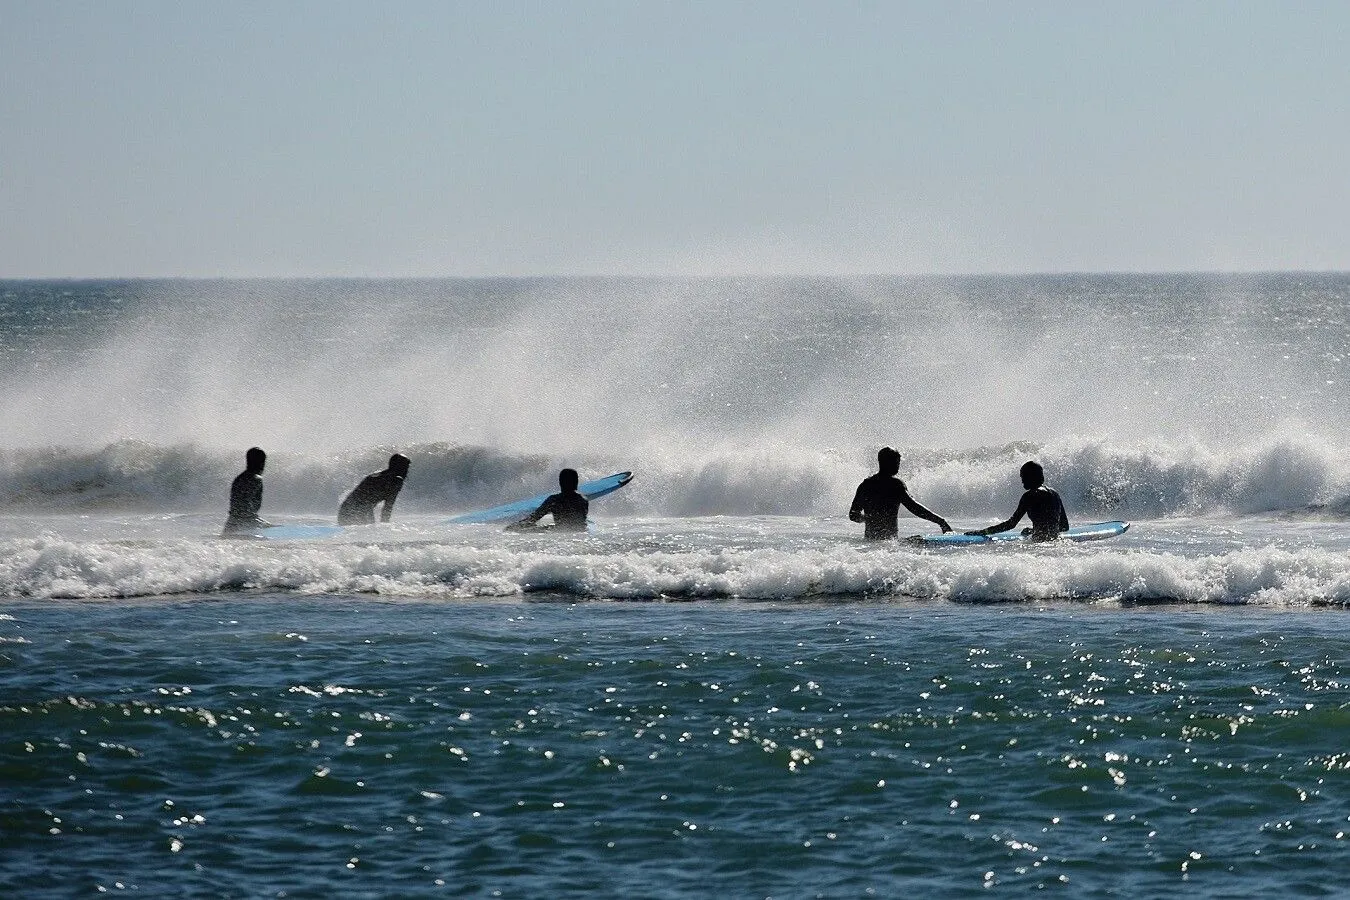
<point x="877" y="504"/>
<point x="1046" y="511"/>
<point x="246" y="493"/>
<point x="569" y="510"/>
<point x="358" y="508"/>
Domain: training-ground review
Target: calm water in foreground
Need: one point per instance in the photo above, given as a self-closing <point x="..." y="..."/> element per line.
<point x="276" y="745"/>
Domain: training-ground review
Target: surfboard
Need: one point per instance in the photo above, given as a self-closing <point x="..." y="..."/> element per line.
<point x="507" y="512"/>
<point x="1096" y="532"/>
<point x="591" y="490"/>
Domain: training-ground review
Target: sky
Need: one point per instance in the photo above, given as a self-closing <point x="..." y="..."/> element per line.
<point x="372" y="139"/>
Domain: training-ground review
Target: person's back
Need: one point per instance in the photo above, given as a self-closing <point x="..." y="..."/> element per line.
<point x="568" y="507"/>
<point x="358" y="507"/>
<point x="569" y="510"/>
<point x="1045" y="509"/>
<point x="877" y="503"/>
<point x="878" y="500"/>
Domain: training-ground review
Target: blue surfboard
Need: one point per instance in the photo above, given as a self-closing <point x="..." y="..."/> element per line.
<point x="1098" y="532"/>
<point x="509" y="512"/>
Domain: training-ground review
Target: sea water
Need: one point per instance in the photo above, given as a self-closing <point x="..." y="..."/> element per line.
<point x="720" y="689"/>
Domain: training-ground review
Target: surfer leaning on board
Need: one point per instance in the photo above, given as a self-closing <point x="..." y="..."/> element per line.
<point x="246" y="497"/>
<point x="1040" y="503"/>
<point x="568" y="507"/>
<point x="877" y="501"/>
<point x="358" y="507"/>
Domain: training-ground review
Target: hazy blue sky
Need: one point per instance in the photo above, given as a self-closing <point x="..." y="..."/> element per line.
<point x="490" y="137"/>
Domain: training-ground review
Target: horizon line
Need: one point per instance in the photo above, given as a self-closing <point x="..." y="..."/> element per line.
<point x="689" y="276"/>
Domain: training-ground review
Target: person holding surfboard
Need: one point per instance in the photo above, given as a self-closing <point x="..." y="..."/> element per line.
<point x="358" y="507"/>
<point x="878" y="500"/>
<point x="246" y="493"/>
<point x="1040" y="503"/>
<point x="569" y="507"/>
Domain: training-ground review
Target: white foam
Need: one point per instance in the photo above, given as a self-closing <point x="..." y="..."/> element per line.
<point x="588" y="568"/>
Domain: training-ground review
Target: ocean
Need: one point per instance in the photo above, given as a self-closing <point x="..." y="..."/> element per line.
<point x="720" y="689"/>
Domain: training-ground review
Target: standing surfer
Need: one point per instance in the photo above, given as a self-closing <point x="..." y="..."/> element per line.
<point x="246" y="497"/>
<point x="878" y="499"/>
<point x="1040" y="503"/>
<point x="358" y="507"/>
<point x="568" y="507"/>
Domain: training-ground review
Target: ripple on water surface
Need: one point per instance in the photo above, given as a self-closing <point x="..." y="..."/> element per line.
<point x="331" y="746"/>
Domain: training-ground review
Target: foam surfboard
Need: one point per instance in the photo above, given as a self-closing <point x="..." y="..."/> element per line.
<point x="509" y="512"/>
<point x="1097" y="532"/>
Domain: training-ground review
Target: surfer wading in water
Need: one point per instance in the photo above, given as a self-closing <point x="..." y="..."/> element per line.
<point x="1040" y="503"/>
<point x="878" y="499"/>
<point x="358" y="507"/>
<point x="246" y="493"/>
<point x="568" y="507"/>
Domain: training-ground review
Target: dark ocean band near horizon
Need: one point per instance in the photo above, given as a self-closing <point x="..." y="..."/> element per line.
<point x="720" y="688"/>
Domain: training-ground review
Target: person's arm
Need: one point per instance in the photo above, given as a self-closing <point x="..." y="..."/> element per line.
<point x="923" y="512"/>
<point x="1007" y="525"/>
<point x="855" y="512"/>
<point x="1063" y="516"/>
<point x="528" y="521"/>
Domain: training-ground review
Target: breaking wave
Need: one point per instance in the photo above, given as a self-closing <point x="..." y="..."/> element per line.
<point x="1295" y="474"/>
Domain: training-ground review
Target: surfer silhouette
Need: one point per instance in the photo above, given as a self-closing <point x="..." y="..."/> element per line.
<point x="358" y="507"/>
<point x="878" y="500"/>
<point x="1040" y="503"/>
<point x="246" y="493"/>
<point x="568" y="507"/>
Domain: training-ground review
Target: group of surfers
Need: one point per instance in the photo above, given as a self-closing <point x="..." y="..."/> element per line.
<point x="876" y="503"/>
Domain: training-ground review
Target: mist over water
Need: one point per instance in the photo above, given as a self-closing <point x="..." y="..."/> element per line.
<point x="1144" y="395"/>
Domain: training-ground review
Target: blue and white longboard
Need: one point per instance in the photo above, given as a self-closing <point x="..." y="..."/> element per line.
<point x="509" y="512"/>
<point x="505" y="513"/>
<point x="1098" y="532"/>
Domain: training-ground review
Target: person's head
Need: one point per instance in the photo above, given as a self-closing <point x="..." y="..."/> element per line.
<point x="1033" y="476"/>
<point x="398" y="465"/>
<point x="567" y="479"/>
<point x="255" y="460"/>
<point x="888" y="460"/>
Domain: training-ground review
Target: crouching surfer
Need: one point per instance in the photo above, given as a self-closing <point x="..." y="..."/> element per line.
<point x="568" y="508"/>
<point x="878" y="499"/>
<point x="358" y="507"/>
<point x="1040" y="503"/>
<point x="246" y="493"/>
